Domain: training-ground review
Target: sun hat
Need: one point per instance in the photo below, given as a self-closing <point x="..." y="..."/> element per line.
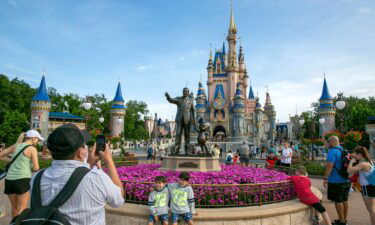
<point x="33" y="134"/>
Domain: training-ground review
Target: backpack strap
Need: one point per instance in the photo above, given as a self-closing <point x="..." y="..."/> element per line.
<point x="15" y="157"/>
<point x="36" y="199"/>
<point x="69" y="187"/>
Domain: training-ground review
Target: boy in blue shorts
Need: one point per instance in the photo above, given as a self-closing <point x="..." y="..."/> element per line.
<point x="158" y="202"/>
<point x="182" y="200"/>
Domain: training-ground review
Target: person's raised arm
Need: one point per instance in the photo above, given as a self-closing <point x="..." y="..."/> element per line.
<point x="106" y="155"/>
<point x="360" y="166"/>
<point x="34" y="159"/>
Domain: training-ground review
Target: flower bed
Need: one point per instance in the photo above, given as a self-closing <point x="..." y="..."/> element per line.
<point x="233" y="186"/>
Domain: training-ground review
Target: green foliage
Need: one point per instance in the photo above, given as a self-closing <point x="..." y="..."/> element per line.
<point x="312" y="167"/>
<point x="134" y="124"/>
<point x="15" y="111"/>
<point x="12" y="125"/>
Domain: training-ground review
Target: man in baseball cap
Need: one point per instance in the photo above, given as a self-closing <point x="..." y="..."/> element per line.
<point x="95" y="190"/>
<point x="64" y="141"/>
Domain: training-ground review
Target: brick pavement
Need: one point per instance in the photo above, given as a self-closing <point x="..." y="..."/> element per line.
<point x="357" y="211"/>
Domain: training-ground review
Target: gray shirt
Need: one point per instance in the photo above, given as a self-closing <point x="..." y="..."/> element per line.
<point x="244" y="150"/>
<point x="182" y="199"/>
<point x="158" y="201"/>
<point x="86" y="205"/>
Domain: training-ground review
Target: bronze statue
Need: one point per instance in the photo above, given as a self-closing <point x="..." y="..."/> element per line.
<point x="203" y="136"/>
<point x="185" y="117"/>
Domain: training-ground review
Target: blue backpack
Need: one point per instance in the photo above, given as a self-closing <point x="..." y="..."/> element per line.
<point x="371" y="177"/>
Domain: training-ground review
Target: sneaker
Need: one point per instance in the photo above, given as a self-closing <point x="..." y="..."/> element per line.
<point x="337" y="222"/>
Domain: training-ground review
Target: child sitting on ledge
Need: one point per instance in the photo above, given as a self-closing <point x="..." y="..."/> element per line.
<point x="302" y="185"/>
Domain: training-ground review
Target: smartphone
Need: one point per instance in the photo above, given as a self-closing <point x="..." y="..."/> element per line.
<point x="100" y="143"/>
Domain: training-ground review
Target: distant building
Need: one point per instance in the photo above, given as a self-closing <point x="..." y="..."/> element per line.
<point x="327" y="110"/>
<point x="116" y="124"/>
<point x="45" y="121"/>
<point x="230" y="106"/>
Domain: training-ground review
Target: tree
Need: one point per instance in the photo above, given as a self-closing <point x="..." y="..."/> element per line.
<point x="134" y="124"/>
<point x="12" y="125"/>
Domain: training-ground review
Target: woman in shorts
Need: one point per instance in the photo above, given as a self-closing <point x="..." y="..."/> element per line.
<point x="17" y="180"/>
<point x="364" y="167"/>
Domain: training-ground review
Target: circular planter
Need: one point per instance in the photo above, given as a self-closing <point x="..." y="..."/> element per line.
<point x="286" y="213"/>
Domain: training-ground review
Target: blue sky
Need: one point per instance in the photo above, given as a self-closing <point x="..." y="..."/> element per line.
<point x="87" y="46"/>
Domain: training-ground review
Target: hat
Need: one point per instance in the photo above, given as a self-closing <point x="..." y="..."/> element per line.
<point x="33" y="134"/>
<point x="66" y="139"/>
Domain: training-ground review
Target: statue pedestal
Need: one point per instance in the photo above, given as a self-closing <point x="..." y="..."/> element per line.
<point x="191" y="164"/>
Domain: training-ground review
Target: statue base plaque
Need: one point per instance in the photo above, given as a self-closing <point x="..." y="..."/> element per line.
<point x="190" y="164"/>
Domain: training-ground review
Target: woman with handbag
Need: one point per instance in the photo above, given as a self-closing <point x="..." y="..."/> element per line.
<point x="19" y="170"/>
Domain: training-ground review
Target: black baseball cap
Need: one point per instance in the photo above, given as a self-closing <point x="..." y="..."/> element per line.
<point x="66" y="139"/>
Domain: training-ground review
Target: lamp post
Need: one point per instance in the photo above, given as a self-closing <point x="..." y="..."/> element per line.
<point x="87" y="106"/>
<point x="101" y="119"/>
<point x="340" y="105"/>
<point x="301" y="123"/>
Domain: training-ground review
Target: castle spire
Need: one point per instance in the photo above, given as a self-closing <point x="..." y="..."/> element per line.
<point x="251" y="93"/>
<point x="41" y="94"/>
<point x="223" y="49"/>
<point x="118" y="96"/>
<point x="232" y="24"/>
<point x="325" y="92"/>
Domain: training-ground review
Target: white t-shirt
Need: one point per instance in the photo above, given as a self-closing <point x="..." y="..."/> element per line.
<point x="286" y="155"/>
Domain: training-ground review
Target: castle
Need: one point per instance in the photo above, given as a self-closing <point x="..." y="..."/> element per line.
<point x="45" y="121"/>
<point x="233" y="114"/>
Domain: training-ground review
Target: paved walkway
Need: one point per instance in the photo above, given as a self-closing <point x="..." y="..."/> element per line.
<point x="357" y="211"/>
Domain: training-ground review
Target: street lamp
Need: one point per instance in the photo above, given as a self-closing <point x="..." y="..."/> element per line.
<point x="322" y="121"/>
<point x="301" y="122"/>
<point x="101" y="119"/>
<point x="86" y="105"/>
<point x="340" y="105"/>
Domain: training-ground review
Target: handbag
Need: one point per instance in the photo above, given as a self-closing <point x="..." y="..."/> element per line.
<point x="3" y="173"/>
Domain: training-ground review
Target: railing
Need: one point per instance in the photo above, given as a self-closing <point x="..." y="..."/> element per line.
<point x="221" y="195"/>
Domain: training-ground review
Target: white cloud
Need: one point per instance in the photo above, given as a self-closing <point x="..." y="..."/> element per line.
<point x="365" y="11"/>
<point x="144" y="67"/>
<point x="19" y="69"/>
<point x="198" y="52"/>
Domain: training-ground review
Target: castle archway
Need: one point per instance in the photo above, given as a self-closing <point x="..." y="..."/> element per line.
<point x="219" y="133"/>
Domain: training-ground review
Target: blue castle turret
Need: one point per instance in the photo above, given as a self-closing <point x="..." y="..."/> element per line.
<point x="201" y="102"/>
<point x="117" y="113"/>
<point x="40" y="107"/>
<point x="239" y="109"/>
<point x="326" y="110"/>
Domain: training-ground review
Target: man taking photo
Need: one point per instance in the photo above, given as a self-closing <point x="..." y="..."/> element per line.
<point x="95" y="190"/>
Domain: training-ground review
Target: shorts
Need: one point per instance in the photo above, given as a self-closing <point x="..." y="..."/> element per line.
<point x="285" y="164"/>
<point x="162" y="218"/>
<point x="368" y="191"/>
<point x="185" y="216"/>
<point x="319" y="207"/>
<point x="245" y="159"/>
<point x="18" y="187"/>
<point x="338" y="192"/>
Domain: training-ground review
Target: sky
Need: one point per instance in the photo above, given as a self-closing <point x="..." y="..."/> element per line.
<point x="87" y="46"/>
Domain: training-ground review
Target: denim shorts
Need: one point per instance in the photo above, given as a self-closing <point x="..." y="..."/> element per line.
<point x="185" y="216"/>
<point x="162" y="218"/>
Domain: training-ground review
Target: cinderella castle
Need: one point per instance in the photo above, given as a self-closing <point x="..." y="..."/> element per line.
<point x="229" y="104"/>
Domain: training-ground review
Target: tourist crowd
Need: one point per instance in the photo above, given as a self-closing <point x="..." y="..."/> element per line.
<point x="75" y="188"/>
